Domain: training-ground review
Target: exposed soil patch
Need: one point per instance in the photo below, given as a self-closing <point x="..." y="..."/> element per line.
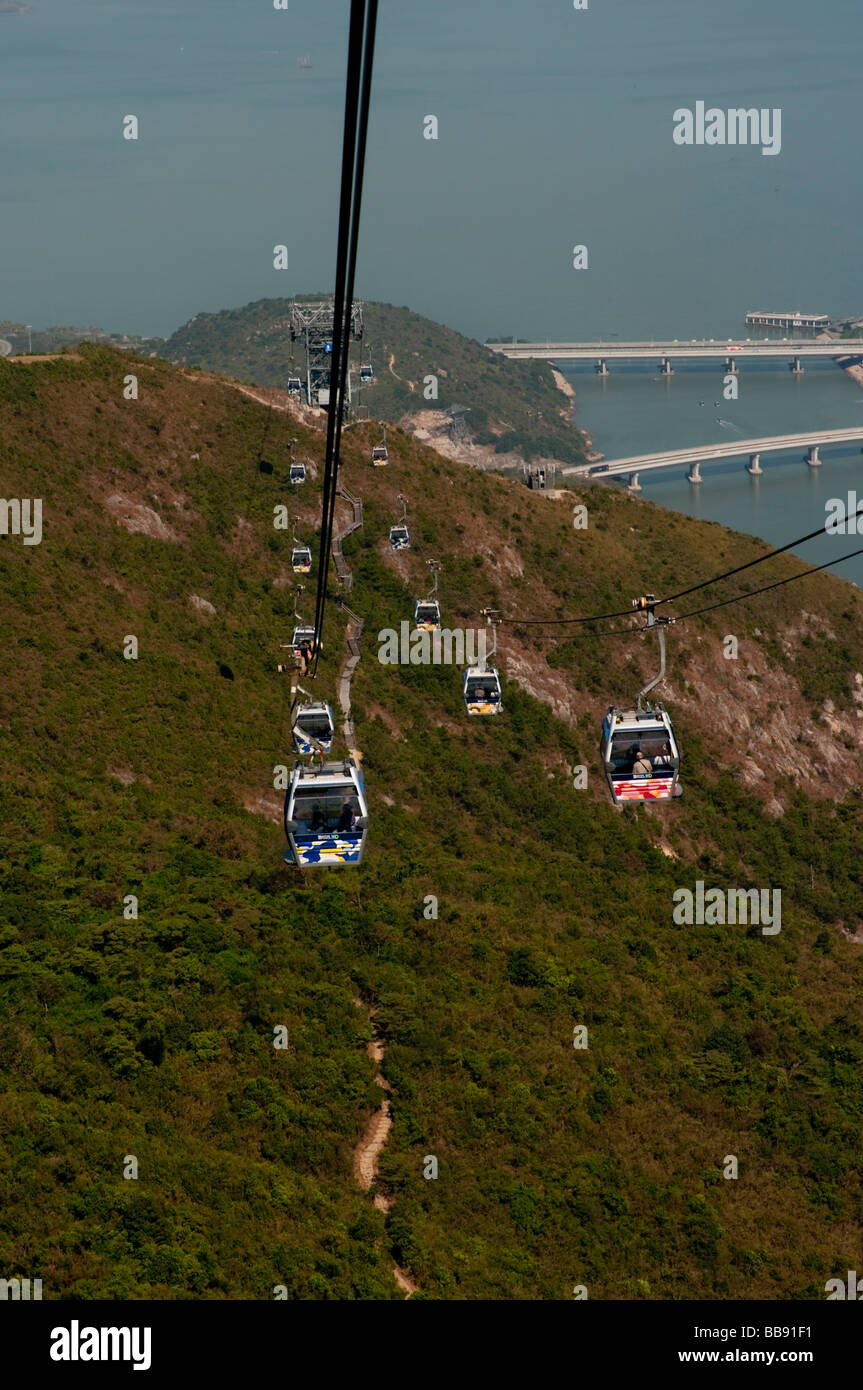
<point x="404" y="1282"/>
<point x="756" y="695"/>
<point x="243" y="540"/>
<point x="852" y="369"/>
<point x="368" y="1150"/>
<point x="565" y="385"/>
<point x="268" y="804"/>
<point x="376" y="711"/>
<point x="138" y="518"/>
<point x="504" y="559"/>
<point x="856" y="936"/>
<point x="112" y="582"/>
<point x="127" y="776"/>
<point x="203" y="605"/>
<point x="432" y="427"/>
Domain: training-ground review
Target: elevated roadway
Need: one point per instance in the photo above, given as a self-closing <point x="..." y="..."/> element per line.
<point x="663" y="351"/>
<point x="702" y="453"/>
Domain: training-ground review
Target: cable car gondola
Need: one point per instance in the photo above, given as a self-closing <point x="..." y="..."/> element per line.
<point x="482" y="692"/>
<point x="427" y="610"/>
<point x="400" y="536"/>
<point x="640" y="752"/>
<point x="379" y="451"/>
<point x="427" y="614"/>
<point x="303" y="636"/>
<point x="295" y="386"/>
<point x="298" y="472"/>
<point x="482" y="688"/>
<point x="301" y="559"/>
<point x="313" y="727"/>
<point x="326" y="819"/>
<point x="367" y="371"/>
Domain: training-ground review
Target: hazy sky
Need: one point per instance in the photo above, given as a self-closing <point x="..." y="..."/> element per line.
<point x="555" y="129"/>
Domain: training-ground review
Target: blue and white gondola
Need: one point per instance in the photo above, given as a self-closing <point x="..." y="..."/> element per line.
<point x="326" y="818"/>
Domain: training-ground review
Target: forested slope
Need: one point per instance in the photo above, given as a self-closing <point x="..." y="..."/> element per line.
<point x="153" y="1037"/>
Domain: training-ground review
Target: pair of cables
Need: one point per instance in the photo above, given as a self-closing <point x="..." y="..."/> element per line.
<point x="694" y="588"/>
<point x="361" y="44"/>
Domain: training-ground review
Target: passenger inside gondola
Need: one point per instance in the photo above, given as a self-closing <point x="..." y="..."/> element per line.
<point x="641" y="764"/>
<point x="663" y="761"/>
<point x="651" y="748"/>
<point x="482" y="692"/>
<point x="319" y="812"/>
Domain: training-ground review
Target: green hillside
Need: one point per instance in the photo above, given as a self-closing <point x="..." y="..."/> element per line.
<point x="153" y="1037"/>
<point x="514" y="406"/>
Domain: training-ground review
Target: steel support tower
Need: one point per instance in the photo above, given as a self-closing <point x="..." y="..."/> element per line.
<point x="312" y="323"/>
<point x="458" y="431"/>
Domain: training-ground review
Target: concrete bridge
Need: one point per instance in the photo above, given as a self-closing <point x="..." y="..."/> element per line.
<point x="728" y="351"/>
<point x="735" y="448"/>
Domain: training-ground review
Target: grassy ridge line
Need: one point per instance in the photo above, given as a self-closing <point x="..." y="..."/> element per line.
<point x="154" y="1037"/>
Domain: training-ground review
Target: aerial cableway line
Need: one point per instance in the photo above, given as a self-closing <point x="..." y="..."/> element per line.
<point x="326" y="818"/>
<point x="357" y="98"/>
<point x="514" y="621"/>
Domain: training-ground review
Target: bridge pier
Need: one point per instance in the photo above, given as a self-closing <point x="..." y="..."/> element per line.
<point x="601" y="367"/>
<point x="665" y="367"/>
<point x="797" y="366"/>
<point x="731" y="366"/>
<point x="746" y="451"/>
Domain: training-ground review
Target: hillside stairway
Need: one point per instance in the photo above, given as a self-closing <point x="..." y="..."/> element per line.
<point x="344" y="574"/>
<point x="355" y="627"/>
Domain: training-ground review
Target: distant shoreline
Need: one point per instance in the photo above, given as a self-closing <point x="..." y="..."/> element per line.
<point x="852" y="369"/>
<point x="566" y="386"/>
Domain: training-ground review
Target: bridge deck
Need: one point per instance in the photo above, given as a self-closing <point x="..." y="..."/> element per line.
<point x="583" y="352"/>
<point x="702" y="453"/>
